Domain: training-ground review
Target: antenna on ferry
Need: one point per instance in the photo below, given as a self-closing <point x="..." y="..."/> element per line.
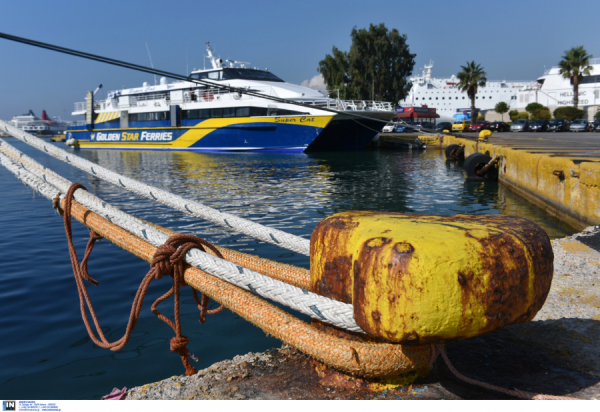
<point x="217" y="63"/>
<point x="151" y="64"/>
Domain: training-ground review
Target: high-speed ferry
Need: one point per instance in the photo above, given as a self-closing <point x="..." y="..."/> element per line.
<point x="183" y="115"/>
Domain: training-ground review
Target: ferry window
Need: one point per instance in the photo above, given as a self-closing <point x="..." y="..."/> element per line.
<point x="216" y="112"/>
<point x="443" y="98"/>
<point x="436" y="98"/>
<point x="199" y="76"/>
<point x="249" y="74"/>
<point x="284" y="112"/>
<point x="456" y="97"/>
<point x="258" y="111"/>
<point x="490" y="97"/>
<point x="463" y="97"/>
<point x="230" y="112"/>
<point x="483" y="97"/>
<point x="146" y="117"/>
<point x="190" y="114"/>
<point x="204" y="114"/>
<point x="214" y="75"/>
<point x="242" y="112"/>
<point x="430" y="98"/>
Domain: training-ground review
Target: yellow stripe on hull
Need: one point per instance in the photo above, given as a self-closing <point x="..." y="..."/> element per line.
<point x="196" y="133"/>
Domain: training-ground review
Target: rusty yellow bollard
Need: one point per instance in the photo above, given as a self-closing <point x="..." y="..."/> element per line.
<point x="417" y="279"/>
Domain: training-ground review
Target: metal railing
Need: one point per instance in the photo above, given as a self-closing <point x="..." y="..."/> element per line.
<point x="219" y="95"/>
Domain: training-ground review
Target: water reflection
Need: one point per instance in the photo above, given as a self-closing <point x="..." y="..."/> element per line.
<point x="294" y="192"/>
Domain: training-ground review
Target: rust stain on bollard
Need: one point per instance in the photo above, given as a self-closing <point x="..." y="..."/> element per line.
<point x="417" y="279"/>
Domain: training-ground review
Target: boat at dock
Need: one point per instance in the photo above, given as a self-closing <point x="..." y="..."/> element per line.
<point x="195" y="116"/>
<point x="45" y="125"/>
<point x="449" y="100"/>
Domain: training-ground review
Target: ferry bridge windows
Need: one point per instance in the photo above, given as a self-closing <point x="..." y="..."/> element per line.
<point x="216" y="112"/>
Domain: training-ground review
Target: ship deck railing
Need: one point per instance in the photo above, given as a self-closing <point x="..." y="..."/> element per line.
<point x="218" y="95"/>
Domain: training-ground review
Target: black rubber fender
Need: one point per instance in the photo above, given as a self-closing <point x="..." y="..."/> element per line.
<point x="451" y="148"/>
<point x="476" y="162"/>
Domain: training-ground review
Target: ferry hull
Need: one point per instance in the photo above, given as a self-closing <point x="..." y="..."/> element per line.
<point x="345" y="133"/>
<point x="280" y="134"/>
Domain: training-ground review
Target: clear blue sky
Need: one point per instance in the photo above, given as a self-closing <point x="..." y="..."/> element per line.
<point x="513" y="40"/>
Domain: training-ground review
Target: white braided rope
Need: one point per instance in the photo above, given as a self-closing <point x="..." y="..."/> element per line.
<point x="191" y="207"/>
<point x="49" y="184"/>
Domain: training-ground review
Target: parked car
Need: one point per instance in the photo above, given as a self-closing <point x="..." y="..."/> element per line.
<point x="521" y="125"/>
<point x="540" y="125"/>
<point x="390" y="127"/>
<point x="559" y="125"/>
<point x="443" y="126"/>
<point x="424" y="125"/>
<point x="499" y="127"/>
<point x="580" y="125"/>
<point x="596" y="125"/>
<point x="405" y="127"/>
<point x="479" y="126"/>
<point x="460" y="126"/>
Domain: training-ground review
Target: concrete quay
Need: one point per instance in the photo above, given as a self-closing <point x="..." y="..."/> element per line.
<point x="556" y="353"/>
<point x="559" y="172"/>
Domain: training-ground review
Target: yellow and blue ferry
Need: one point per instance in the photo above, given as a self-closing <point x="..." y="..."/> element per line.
<point x="188" y="116"/>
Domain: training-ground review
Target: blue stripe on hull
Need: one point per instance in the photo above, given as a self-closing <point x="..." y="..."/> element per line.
<point x="237" y="137"/>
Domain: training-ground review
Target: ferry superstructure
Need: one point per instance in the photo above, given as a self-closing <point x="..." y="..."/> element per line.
<point x="553" y="90"/>
<point x="183" y="115"/>
<point x="444" y="95"/>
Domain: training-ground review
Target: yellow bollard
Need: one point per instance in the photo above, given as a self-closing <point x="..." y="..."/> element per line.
<point x="417" y="279"/>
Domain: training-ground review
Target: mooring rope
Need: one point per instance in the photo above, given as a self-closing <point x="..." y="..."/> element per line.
<point x="231" y="222"/>
<point x="439" y="349"/>
<point x="328" y="310"/>
<point x="368" y="359"/>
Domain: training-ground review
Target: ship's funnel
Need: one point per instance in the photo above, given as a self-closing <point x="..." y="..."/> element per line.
<point x="44" y="115"/>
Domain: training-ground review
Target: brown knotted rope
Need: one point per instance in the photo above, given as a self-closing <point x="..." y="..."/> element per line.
<point x="168" y="260"/>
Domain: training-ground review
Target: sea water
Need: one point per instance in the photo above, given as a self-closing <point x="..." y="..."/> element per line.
<point x="45" y="351"/>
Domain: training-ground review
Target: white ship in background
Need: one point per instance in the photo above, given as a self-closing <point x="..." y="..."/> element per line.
<point x="444" y="95"/>
<point x="551" y="90"/>
<point x="30" y="123"/>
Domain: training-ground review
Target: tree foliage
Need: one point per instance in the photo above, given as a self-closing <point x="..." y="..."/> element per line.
<point x="523" y="115"/>
<point x="531" y="107"/>
<point x="543" y="113"/>
<point x="335" y="72"/>
<point x="513" y="115"/>
<point x="377" y="65"/>
<point x="574" y="65"/>
<point x="568" y="112"/>
<point x="470" y="79"/>
<point x="501" y="108"/>
<point x="597" y="115"/>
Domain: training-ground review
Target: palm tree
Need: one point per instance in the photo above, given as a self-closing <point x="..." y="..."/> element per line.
<point x="472" y="77"/>
<point x="574" y="65"/>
